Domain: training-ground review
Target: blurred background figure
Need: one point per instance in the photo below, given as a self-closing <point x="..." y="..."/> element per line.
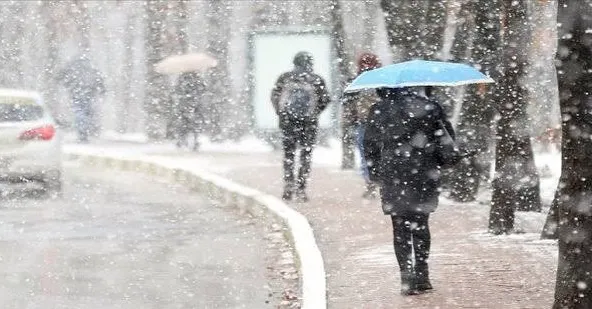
<point x="188" y="112"/>
<point x="84" y="84"/>
<point x="356" y="107"/>
<point x="190" y="102"/>
<point x="299" y="97"/>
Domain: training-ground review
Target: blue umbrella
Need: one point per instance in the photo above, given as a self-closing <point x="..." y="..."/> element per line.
<point x="419" y="73"/>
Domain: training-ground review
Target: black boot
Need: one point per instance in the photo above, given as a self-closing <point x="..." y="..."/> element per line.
<point x="301" y="196"/>
<point x="423" y="279"/>
<point x="421" y="248"/>
<point x="288" y="193"/>
<point x="408" y="283"/>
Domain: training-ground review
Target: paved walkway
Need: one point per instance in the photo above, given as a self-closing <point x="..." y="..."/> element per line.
<point x="470" y="269"/>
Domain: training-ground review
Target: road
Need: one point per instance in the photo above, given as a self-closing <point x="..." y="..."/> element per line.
<point x="121" y="240"/>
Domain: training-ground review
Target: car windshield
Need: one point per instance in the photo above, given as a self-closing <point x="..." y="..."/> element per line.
<point x="19" y="109"/>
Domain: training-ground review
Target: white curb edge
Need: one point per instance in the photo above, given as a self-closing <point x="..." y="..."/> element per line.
<point x="312" y="269"/>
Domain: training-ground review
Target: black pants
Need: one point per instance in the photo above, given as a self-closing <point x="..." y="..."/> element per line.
<point x="412" y="242"/>
<point x="297" y="135"/>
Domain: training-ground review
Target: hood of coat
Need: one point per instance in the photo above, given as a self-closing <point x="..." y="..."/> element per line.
<point x="303" y="61"/>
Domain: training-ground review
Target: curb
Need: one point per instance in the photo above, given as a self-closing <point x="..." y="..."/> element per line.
<point x="301" y="235"/>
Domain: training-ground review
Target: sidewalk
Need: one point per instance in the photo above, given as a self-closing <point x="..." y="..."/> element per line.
<point x="470" y="269"/>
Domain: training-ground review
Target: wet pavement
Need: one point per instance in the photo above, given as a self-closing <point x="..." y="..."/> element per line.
<point x="120" y="240"/>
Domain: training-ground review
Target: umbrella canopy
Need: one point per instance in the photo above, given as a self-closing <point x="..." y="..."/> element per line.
<point x="185" y="63"/>
<point x="419" y="73"/>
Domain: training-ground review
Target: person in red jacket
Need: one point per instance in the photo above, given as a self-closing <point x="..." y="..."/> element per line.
<point x="356" y="106"/>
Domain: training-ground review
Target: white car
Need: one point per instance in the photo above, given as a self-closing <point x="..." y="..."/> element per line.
<point x="30" y="141"/>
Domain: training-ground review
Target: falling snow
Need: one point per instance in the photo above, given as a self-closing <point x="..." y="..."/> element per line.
<point x="200" y="85"/>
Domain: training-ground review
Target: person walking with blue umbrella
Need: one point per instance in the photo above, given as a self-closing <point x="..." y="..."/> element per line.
<point x="406" y="143"/>
<point x="405" y="150"/>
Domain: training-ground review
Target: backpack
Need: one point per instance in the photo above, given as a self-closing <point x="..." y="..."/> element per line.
<point x="298" y="99"/>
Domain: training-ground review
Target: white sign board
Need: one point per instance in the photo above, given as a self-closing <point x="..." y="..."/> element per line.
<point x="272" y="55"/>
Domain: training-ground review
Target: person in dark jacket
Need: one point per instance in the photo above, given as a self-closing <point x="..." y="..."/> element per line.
<point x="84" y="83"/>
<point x="299" y="97"/>
<point x="407" y="140"/>
<point x="188" y="115"/>
<point x="356" y="107"/>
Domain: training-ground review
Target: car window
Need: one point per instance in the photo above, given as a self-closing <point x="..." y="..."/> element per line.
<point x="19" y="109"/>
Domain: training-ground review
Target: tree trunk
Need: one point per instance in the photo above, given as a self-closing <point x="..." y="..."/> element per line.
<point x="573" y="207"/>
<point x="435" y="20"/>
<point x="516" y="182"/>
<point x="82" y="19"/>
<point x="11" y="53"/>
<point x="415" y="29"/>
<point x="339" y="41"/>
<point x="156" y="84"/>
<point x="398" y="26"/>
<point x="343" y="77"/>
<point x="127" y="74"/>
<point x="465" y="32"/>
<point x="475" y="128"/>
<point x="181" y="26"/>
<point x="177" y="44"/>
<point x="218" y="40"/>
<point x="50" y="85"/>
<point x="463" y="179"/>
<point x="370" y="28"/>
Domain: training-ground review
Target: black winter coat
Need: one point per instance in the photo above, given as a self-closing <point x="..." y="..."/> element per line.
<point x="404" y="146"/>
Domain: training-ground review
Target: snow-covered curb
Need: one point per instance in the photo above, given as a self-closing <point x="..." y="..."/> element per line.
<point x="312" y="270"/>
